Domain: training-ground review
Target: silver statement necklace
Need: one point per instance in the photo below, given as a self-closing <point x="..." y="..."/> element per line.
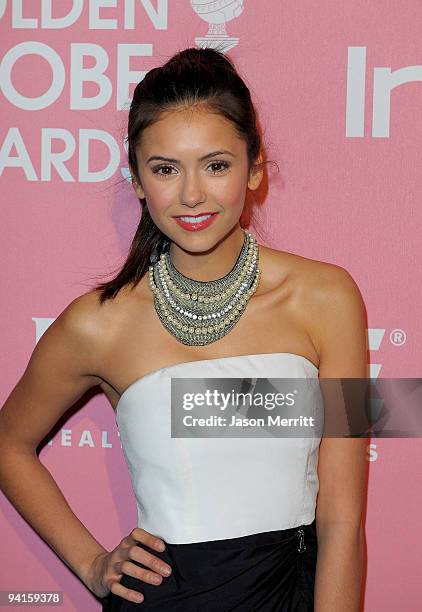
<point x="201" y="312"/>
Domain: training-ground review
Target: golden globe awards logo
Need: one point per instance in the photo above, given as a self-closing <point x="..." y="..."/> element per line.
<point x="217" y="13"/>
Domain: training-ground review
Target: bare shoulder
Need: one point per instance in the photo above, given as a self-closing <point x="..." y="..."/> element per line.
<point x="336" y="316"/>
<point x="325" y="295"/>
<point x="309" y="275"/>
<point x="320" y="282"/>
<point x="91" y="318"/>
<point x="65" y="363"/>
<point x="83" y="315"/>
<point x="80" y="330"/>
<point x="81" y="323"/>
<point x="94" y="325"/>
<point x="341" y="327"/>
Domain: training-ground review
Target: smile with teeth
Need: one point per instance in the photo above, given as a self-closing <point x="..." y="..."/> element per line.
<point x="195" y="219"/>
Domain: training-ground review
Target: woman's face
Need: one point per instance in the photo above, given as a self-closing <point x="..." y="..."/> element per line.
<point x="192" y="162"/>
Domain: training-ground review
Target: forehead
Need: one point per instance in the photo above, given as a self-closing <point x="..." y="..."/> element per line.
<point x="189" y="131"/>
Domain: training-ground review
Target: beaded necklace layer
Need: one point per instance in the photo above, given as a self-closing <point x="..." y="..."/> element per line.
<point x="200" y="312"/>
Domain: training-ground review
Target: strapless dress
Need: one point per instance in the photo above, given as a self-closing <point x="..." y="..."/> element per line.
<point x="237" y="514"/>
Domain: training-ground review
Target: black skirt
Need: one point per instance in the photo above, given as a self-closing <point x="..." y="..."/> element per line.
<point x="272" y="571"/>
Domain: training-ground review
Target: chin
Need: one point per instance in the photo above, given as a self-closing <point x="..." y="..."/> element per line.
<point x="195" y="242"/>
<point x="198" y="245"/>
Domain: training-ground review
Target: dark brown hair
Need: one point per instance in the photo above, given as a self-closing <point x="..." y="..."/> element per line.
<point x="193" y="76"/>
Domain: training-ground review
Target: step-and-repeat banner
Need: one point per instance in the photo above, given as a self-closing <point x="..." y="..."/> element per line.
<point x="337" y="88"/>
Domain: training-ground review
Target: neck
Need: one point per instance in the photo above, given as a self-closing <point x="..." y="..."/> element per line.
<point x="212" y="264"/>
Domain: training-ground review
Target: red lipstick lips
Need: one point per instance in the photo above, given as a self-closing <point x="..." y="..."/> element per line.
<point x="194" y="226"/>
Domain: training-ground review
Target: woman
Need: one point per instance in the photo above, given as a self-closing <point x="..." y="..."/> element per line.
<point x="241" y="524"/>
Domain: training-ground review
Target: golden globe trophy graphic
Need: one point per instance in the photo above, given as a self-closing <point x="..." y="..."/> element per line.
<point x="216" y="13"/>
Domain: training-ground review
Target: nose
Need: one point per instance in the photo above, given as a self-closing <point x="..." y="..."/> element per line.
<point x="192" y="190"/>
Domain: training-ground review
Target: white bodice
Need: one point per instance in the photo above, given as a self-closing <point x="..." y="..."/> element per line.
<point x="199" y="489"/>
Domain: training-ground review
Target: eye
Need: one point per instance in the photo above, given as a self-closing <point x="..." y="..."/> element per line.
<point x="222" y="163"/>
<point x="157" y="169"/>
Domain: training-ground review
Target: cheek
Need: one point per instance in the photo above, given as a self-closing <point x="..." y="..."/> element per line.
<point x="157" y="205"/>
<point x="159" y="198"/>
<point x="156" y="212"/>
<point x="159" y="191"/>
<point x="231" y="194"/>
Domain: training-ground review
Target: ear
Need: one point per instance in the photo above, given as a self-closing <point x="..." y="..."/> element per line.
<point x="256" y="174"/>
<point x="137" y="187"/>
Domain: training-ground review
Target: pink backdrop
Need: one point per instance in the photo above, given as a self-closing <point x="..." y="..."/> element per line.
<point x="348" y="192"/>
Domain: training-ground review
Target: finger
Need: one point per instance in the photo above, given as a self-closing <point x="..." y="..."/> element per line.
<point x="140" y="535"/>
<point x="129" y="594"/>
<point x="137" y="553"/>
<point x="141" y="573"/>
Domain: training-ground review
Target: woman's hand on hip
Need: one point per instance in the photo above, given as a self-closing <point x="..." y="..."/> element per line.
<point x="108" y="568"/>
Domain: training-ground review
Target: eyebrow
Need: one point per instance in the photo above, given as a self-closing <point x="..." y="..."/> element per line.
<point x="177" y="161"/>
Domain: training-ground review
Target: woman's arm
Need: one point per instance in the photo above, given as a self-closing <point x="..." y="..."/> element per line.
<point x="341" y="335"/>
<point x="59" y="371"/>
